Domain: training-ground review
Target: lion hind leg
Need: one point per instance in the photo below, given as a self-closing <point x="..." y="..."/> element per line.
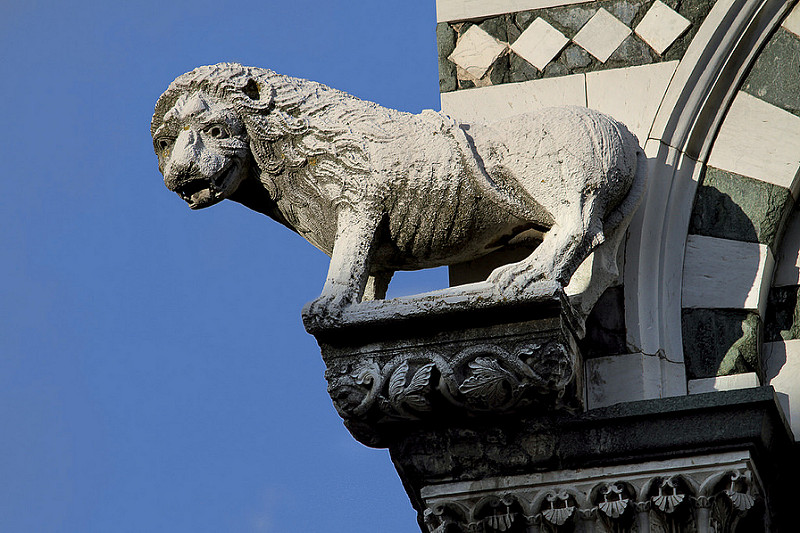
<point x="558" y="256"/>
<point x="377" y="285"/>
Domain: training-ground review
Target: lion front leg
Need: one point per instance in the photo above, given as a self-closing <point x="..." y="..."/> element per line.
<point x="349" y="266"/>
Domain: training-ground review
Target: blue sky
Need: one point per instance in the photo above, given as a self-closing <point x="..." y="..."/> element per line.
<point x="154" y="372"/>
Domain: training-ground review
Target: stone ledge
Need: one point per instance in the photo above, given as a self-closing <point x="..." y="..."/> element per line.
<point x="631" y="433"/>
<point x="458" y="354"/>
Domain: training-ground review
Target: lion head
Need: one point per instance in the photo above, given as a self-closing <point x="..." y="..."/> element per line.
<point x="201" y="142"/>
<point x="221" y="125"/>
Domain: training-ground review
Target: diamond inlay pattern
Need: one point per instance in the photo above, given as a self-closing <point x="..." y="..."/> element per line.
<point x="661" y="26"/>
<point x="540" y="43"/>
<point x="476" y="51"/>
<point x="565" y="40"/>
<point x="602" y="35"/>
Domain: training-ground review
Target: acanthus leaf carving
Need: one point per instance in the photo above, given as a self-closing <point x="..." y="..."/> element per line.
<point x="489" y="383"/>
<point x="415" y="393"/>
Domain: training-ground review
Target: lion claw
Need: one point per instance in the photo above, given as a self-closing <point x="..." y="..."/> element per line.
<point x="324" y="311"/>
<point x="514" y="279"/>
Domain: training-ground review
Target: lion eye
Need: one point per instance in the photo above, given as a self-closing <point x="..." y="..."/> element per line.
<point x="217" y="131"/>
<point x="163" y="144"/>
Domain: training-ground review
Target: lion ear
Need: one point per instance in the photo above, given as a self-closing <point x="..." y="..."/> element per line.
<point x="252" y="90"/>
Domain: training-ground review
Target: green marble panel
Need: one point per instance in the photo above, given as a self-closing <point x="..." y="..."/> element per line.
<point x="782" y="317"/>
<point x="721" y="342"/>
<point x="731" y="206"/>
<point x="775" y="76"/>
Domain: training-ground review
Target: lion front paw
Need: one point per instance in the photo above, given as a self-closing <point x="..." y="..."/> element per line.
<point x="514" y="279"/>
<point x="326" y="310"/>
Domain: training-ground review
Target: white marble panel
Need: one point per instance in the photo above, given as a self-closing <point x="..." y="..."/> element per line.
<point x="782" y="366"/>
<point x="486" y="104"/>
<point x="476" y="50"/>
<point x="792" y="22"/>
<point x="623" y="378"/>
<point x="637" y="105"/>
<point x="719" y="383"/>
<point x="454" y="10"/>
<point x="602" y="35"/>
<point x="759" y="140"/>
<point x="661" y="26"/>
<point x="787" y="272"/>
<point x="540" y="43"/>
<point x="725" y="274"/>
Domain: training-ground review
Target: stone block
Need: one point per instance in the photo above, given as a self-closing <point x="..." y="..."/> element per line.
<point x="620" y="378"/>
<point x="720" y="383"/>
<point x="759" y="140"/>
<point x="726" y="274"/>
<point x="605" y="326"/>
<point x="775" y="76"/>
<point x="703" y="442"/>
<point x="792" y="22"/>
<point x="718" y="342"/>
<point x="446" y="41"/>
<point x="455" y="10"/>
<point x="476" y="51"/>
<point x="449" y="355"/>
<point x="540" y="43"/>
<point x="782" y="362"/>
<point x="735" y="207"/>
<point x="503" y="101"/>
<point x="602" y="35"/>
<point x="787" y="271"/>
<point x="636" y="107"/>
<point x="661" y="26"/>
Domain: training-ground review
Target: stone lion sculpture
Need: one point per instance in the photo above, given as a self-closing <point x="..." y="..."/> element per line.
<point x="380" y="190"/>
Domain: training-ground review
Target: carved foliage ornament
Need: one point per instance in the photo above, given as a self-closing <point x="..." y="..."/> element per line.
<point x="484" y="378"/>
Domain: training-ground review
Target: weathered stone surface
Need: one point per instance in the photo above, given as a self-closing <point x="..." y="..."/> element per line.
<point x="730" y="206"/>
<point x="521" y="70"/>
<point x="666" y="494"/>
<point x="626" y="11"/>
<point x="450" y="362"/>
<point x="576" y="57"/>
<point x="782" y="318"/>
<point x="446" y="40"/>
<point x="719" y="342"/>
<point x="605" y="326"/>
<point x="555" y="69"/>
<point x="496" y="27"/>
<point x="632" y="52"/>
<point x="545" y="447"/>
<point x="523" y="19"/>
<point x="500" y="71"/>
<point x="767" y="149"/>
<point x="570" y="19"/>
<point x="694" y="10"/>
<point x="775" y="76"/>
<point x="380" y="190"/>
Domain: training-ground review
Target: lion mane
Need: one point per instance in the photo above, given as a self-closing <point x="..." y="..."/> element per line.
<point x="294" y="124"/>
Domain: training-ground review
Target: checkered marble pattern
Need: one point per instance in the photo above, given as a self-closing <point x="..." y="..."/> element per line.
<point x="571" y="34"/>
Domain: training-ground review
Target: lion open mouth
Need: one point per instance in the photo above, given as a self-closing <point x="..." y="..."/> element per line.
<point x="203" y="192"/>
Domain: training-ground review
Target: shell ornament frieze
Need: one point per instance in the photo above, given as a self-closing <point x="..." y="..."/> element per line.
<point x="669" y="504"/>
